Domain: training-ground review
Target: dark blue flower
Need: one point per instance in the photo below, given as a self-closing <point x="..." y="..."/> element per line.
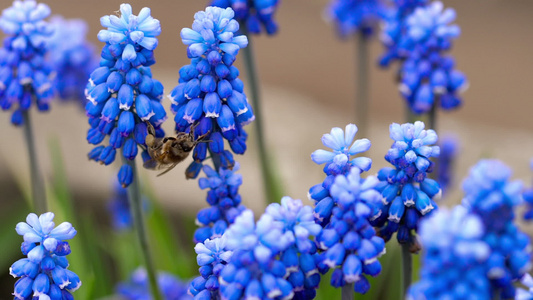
<point x="137" y="288"/>
<point x="254" y="14"/>
<point x="528" y="197"/>
<point x="25" y="76"/>
<point x="209" y="92"/>
<point x="72" y="56"/>
<point x="406" y="192"/>
<point x="224" y="200"/>
<point x="351" y="16"/>
<point x="454" y="257"/>
<point x="446" y="162"/>
<point x="121" y="92"/>
<point x="44" y="273"/>
<point x="491" y="195"/>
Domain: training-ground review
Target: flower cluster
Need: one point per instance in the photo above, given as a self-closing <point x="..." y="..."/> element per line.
<point x="209" y="91"/>
<point x="137" y="287"/>
<point x="225" y="201"/>
<point x="452" y="244"/>
<point x="253" y="14"/>
<point x="119" y="208"/>
<point x="351" y="16"/>
<point x="24" y="73"/>
<point x="338" y="161"/>
<point x="446" y="162"/>
<point x="212" y="258"/>
<point x="72" y="56"/>
<point x="528" y="197"/>
<point x="490" y="194"/>
<point x="44" y="272"/>
<point x="349" y="240"/>
<point x="427" y="77"/>
<point x="407" y="194"/>
<point x="121" y="92"/>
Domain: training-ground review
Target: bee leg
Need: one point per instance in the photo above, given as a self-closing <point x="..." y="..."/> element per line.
<point x="169" y="168"/>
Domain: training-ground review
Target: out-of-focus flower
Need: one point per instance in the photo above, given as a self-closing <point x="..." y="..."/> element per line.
<point x="72" y="57"/>
<point x="446" y="162"/>
<point x="209" y="92"/>
<point x="137" y="288"/>
<point x="351" y="16"/>
<point x="121" y="92"/>
<point x="452" y="243"/>
<point x="44" y="274"/>
<point x="24" y="73"/>
<point x="253" y="14"/>
<point x="528" y="197"/>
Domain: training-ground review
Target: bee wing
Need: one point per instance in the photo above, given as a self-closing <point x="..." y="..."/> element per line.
<point x="169" y="168"/>
<point x="150" y="164"/>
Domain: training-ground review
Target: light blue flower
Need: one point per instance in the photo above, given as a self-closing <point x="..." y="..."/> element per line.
<point x="452" y="243"/>
<point x="523" y="294"/>
<point x="122" y="94"/>
<point x="137" y="288"/>
<point x="44" y="272"/>
<point x="209" y="92"/>
<point x="254" y="14"/>
<point x="25" y="77"/>
<point x="72" y="56"/>
<point x="351" y="16"/>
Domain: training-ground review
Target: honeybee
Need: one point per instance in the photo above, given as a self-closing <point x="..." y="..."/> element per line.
<point x="168" y="152"/>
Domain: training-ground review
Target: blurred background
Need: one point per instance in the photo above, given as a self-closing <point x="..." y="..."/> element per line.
<point x="308" y="86"/>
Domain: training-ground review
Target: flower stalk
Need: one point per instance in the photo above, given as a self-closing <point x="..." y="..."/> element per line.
<point x="347" y="292"/>
<point x="37" y="182"/>
<point x="134" y="196"/>
<point x="407" y="269"/>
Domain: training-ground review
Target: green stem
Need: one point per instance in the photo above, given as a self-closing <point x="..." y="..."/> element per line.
<point x="362" y="84"/>
<point x="269" y="181"/>
<point x="37" y="183"/>
<point x="134" y="196"/>
<point x="347" y="292"/>
<point x="407" y="268"/>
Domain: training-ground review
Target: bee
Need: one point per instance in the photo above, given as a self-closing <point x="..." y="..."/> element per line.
<point x="168" y="152"/>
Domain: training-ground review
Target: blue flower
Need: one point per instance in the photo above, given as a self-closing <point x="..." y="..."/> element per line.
<point x="351" y="16"/>
<point x="73" y="57"/>
<point x="212" y="257"/>
<point x="406" y="192"/>
<point x="254" y="14"/>
<point x="348" y="240"/>
<point x="119" y="208"/>
<point x="25" y="76"/>
<point x="490" y="194"/>
<point x="453" y="258"/>
<point x="523" y="294"/>
<point x="225" y="201"/>
<point x="427" y="77"/>
<point x="446" y="162"/>
<point x="137" y="288"/>
<point x="528" y="197"/>
<point x="121" y="92"/>
<point x="209" y="92"/>
<point x="44" y="272"/>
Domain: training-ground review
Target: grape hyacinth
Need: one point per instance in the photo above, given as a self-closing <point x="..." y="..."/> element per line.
<point x="137" y="287"/>
<point x="72" y="56"/>
<point x="490" y="194"/>
<point x="449" y="148"/>
<point x="44" y="274"/>
<point x="121" y="92"/>
<point x="25" y="76"/>
<point x="453" y="257"/>
<point x="349" y="240"/>
<point x="351" y="16"/>
<point x="523" y="294"/>
<point x="225" y="201"/>
<point x="338" y="161"/>
<point x="254" y="15"/>
<point x="212" y="257"/>
<point x="407" y="194"/>
<point x="427" y="77"/>
<point x="528" y="197"/>
<point x="119" y="208"/>
<point x="209" y="91"/>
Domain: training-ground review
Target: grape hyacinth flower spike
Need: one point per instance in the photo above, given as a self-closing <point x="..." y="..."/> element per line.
<point x="25" y="76"/>
<point x="493" y="197"/>
<point x="253" y="15"/>
<point x="209" y="91"/>
<point x="351" y="16"/>
<point x="122" y="94"/>
<point x="528" y="199"/>
<point x="72" y="56"/>
<point x="407" y="193"/>
<point x="44" y="274"/>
